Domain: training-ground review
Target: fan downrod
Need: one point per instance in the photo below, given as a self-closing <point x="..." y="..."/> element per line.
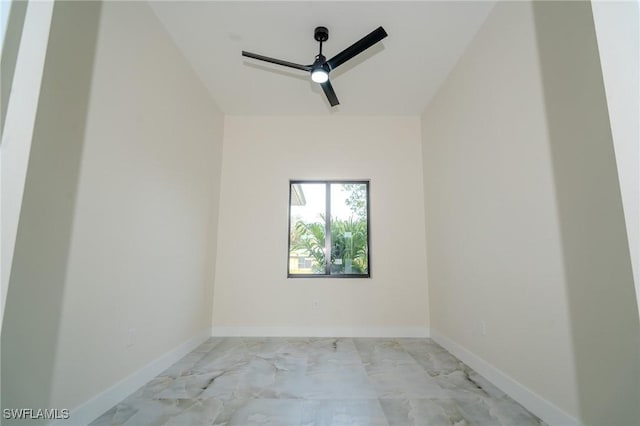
<point x="321" y="34"/>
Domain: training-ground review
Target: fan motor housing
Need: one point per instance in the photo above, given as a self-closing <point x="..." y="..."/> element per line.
<point x="321" y="34"/>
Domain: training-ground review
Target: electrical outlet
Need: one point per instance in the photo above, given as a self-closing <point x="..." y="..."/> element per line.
<point x="316" y="305"/>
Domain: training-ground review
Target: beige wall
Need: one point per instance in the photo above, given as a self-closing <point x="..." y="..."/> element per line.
<point x="492" y="228"/>
<point x="12" y="21"/>
<point x="618" y="31"/>
<point x="121" y="191"/>
<point x="524" y="219"/>
<point x="261" y="155"/>
<point x="17" y="125"/>
<point x="597" y="264"/>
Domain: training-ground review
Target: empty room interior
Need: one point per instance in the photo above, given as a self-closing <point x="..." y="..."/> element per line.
<point x="446" y="231"/>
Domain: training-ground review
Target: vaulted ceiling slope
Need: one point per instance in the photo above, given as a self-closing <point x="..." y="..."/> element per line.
<point x="396" y="77"/>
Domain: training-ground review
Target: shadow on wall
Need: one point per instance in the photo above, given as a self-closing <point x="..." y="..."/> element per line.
<point x="10" y="45"/>
<point x="35" y="295"/>
<point x="600" y="289"/>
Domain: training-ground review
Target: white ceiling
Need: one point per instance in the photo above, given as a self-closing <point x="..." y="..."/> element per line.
<point x="398" y="76"/>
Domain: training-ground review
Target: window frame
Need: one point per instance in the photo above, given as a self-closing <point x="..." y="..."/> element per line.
<point x="327" y="239"/>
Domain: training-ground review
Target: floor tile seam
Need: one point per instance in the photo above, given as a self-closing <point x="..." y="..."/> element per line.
<point x="197" y="375"/>
<point x="200" y="358"/>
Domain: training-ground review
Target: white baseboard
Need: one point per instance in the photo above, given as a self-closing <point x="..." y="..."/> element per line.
<point x="533" y="402"/>
<point x="90" y="410"/>
<point x="308" y="331"/>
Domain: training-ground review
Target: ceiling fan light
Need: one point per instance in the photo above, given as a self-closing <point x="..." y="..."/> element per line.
<point x="319" y="75"/>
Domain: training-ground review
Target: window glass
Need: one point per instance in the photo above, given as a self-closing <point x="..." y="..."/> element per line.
<point x="307" y="228"/>
<point x="329" y="217"/>
<point x="349" y="236"/>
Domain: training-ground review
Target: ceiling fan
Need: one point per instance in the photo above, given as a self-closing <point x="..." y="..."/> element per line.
<point x="321" y="67"/>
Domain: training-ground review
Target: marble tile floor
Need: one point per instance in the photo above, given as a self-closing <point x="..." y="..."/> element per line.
<point x="318" y="382"/>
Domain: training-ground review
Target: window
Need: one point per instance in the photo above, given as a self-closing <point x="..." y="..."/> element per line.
<point x="329" y="217"/>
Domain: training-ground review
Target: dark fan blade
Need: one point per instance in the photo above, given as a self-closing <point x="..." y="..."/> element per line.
<point x="276" y="61"/>
<point x="331" y="95"/>
<point x="358" y="47"/>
